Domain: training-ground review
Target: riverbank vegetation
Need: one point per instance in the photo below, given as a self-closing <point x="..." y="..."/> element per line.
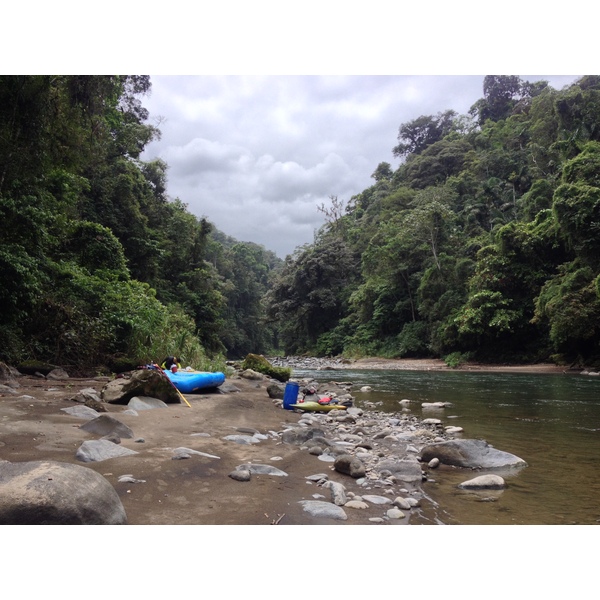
<point x="483" y="244"/>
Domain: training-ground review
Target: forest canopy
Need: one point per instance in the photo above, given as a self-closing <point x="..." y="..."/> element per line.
<point x="483" y="243"/>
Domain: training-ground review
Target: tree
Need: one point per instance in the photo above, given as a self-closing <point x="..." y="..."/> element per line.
<point x="418" y="134"/>
<point x="501" y="93"/>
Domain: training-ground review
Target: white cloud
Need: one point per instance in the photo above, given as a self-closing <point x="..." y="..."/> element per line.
<point x="257" y="155"/>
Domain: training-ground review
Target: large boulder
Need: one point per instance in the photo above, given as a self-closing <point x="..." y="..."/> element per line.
<point x="407" y="470"/>
<point x="258" y="363"/>
<point x="54" y="493"/>
<point x="471" y="454"/>
<point x="142" y="382"/>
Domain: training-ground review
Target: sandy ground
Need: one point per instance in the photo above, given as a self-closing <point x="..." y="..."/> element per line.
<point x="197" y="490"/>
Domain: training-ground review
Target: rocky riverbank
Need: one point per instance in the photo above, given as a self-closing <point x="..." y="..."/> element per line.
<point x="236" y="456"/>
<point x="419" y="364"/>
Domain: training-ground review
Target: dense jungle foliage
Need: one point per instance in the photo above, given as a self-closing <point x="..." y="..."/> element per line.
<point x="99" y="270"/>
<point x="483" y="244"/>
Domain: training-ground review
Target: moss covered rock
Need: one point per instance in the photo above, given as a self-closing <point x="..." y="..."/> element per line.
<point x="257" y="362"/>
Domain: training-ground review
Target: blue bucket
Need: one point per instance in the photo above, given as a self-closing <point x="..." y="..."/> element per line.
<point x="290" y="395"/>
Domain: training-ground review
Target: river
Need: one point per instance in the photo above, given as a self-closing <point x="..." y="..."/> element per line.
<point x="552" y="421"/>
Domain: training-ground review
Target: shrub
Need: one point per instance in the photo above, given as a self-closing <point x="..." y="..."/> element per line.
<point x="259" y="363"/>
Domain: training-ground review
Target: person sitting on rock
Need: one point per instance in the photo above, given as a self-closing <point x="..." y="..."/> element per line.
<point x="169" y="362"/>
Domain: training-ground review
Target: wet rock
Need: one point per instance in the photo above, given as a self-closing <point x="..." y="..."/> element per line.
<point x="488" y="481"/>
<point x="395" y="513"/>
<point x="402" y="503"/>
<point x="473" y="454"/>
<point x="407" y="470"/>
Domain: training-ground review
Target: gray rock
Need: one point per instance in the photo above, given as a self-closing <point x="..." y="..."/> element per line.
<point x="99" y="450"/>
<point x="472" y="454"/>
<point x="275" y="391"/>
<point x="130" y="479"/>
<point x="318" y="477"/>
<point x="57" y="374"/>
<point x="54" y="493"/>
<point x="242" y="439"/>
<point x="374" y="499"/>
<point x="228" y="388"/>
<point x="402" y="503"/>
<point x="324" y="510"/>
<point x="146" y="403"/>
<point x="326" y="458"/>
<point x="105" y="425"/>
<point x="252" y="375"/>
<point x="453" y="429"/>
<point x="191" y="452"/>
<point x="258" y="469"/>
<point x="395" y="513"/>
<point x="488" y="481"/>
<point x="300" y="435"/>
<point x="358" y="504"/>
<point x="81" y="412"/>
<point x="86" y="395"/>
<point x="240" y="474"/>
<point x="349" y="465"/>
<point x="338" y="492"/>
<point x="6" y="389"/>
<point x="142" y="382"/>
<point x="407" y="470"/>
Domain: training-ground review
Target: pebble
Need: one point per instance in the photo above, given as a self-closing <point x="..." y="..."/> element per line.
<point x="402" y="503"/>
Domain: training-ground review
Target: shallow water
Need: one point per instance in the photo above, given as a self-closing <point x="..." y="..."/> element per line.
<point x="550" y="421"/>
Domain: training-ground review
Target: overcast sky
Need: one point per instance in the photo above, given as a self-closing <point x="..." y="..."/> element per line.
<point x="317" y="90"/>
<point x="257" y="155"/>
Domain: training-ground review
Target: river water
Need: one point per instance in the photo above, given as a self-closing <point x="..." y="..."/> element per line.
<point x="552" y="421"/>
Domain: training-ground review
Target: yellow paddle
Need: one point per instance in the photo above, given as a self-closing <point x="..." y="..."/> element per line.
<point x="180" y="394"/>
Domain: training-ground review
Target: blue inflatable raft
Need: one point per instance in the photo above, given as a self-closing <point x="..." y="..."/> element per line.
<point x="188" y="382"/>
